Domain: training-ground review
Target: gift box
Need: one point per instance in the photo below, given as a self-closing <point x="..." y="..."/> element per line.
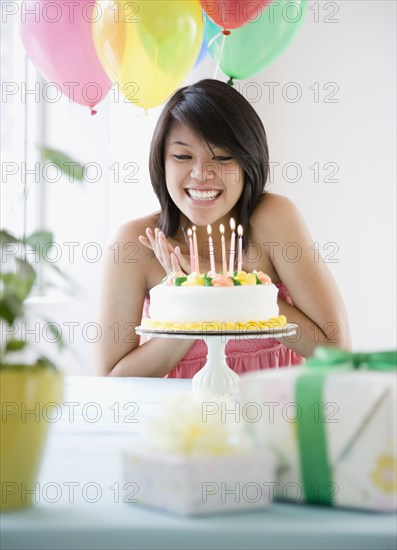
<point x="194" y="485"/>
<point x="332" y="424"/>
<point x="192" y="461"/>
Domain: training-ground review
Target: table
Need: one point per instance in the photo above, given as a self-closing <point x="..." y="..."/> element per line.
<point x="80" y="490"/>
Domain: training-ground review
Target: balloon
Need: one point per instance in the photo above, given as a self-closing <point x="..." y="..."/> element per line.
<point x="203" y="53"/>
<point x="57" y="37"/>
<point x="160" y="43"/>
<point x="232" y="14"/>
<point x="249" y="49"/>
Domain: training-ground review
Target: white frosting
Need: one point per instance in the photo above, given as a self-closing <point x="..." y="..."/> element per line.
<point x="193" y="304"/>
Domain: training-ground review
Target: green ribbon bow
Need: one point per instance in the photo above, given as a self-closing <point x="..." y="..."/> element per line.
<point x="316" y="470"/>
<point x="325" y="357"/>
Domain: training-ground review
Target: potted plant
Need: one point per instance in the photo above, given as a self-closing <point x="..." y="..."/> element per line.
<point x="29" y="381"/>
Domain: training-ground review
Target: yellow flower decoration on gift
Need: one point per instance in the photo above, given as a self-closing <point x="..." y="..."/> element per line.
<point x="246" y="278"/>
<point x="194" y="425"/>
<point x="385" y="474"/>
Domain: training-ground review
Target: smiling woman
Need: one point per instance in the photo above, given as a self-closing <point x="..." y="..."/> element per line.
<point x="209" y="162"/>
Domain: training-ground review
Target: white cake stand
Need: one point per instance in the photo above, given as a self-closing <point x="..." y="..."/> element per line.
<point x="216" y="377"/>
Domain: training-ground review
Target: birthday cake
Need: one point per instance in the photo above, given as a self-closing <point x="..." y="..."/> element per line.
<point x="214" y="302"/>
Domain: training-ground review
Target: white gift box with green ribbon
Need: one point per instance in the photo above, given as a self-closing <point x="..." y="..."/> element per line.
<point x="333" y="428"/>
<point x="193" y="462"/>
<point x="196" y="485"/>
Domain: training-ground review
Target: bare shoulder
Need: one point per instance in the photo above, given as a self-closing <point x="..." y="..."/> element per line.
<point x="276" y="215"/>
<point x="273" y="206"/>
<point x="133" y="228"/>
<point x="126" y="238"/>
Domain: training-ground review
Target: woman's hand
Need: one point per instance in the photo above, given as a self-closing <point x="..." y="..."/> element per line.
<point x="169" y="257"/>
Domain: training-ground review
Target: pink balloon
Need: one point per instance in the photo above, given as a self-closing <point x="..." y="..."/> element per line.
<point x="58" y="39"/>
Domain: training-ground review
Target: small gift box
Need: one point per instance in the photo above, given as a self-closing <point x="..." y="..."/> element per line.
<point x="198" y="464"/>
<point x="332" y="426"/>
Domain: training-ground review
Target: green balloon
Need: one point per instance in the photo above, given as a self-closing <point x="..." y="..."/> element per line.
<point x="248" y="49"/>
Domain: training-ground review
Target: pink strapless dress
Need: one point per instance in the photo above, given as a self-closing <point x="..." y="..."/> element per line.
<point x="241" y="355"/>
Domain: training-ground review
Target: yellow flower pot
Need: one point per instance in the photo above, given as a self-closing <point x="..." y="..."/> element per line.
<point x="26" y="393"/>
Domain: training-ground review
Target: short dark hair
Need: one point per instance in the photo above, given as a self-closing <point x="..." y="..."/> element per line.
<point x="221" y="116"/>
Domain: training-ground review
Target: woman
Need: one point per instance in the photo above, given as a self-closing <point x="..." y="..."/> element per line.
<point x="209" y="162"/>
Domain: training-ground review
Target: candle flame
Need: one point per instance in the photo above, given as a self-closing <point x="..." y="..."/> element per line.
<point x="209" y="229"/>
<point x="189" y="232"/>
<point x="232" y="224"/>
<point x="194" y="228"/>
<point x="240" y="230"/>
<point x="222" y="228"/>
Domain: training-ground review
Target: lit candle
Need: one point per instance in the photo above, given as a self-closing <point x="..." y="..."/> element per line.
<point x="240" y="248"/>
<point x="191" y="250"/>
<point x="224" y="267"/>
<point x="195" y="249"/>
<point x="232" y="247"/>
<point x="211" y="248"/>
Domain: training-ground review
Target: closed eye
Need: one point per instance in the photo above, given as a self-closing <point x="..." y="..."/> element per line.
<point x="222" y="159"/>
<point x="216" y="159"/>
<point x="183" y="157"/>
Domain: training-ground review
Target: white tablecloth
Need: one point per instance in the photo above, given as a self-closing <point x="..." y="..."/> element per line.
<point x="82" y="501"/>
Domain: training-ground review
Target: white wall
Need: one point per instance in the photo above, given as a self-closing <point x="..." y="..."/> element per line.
<point x="352" y="220"/>
<point x="358" y="134"/>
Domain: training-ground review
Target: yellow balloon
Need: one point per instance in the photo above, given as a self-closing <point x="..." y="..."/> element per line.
<point x="148" y="47"/>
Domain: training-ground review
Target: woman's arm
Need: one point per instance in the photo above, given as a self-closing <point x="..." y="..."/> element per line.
<point x="121" y="303"/>
<point x="318" y="307"/>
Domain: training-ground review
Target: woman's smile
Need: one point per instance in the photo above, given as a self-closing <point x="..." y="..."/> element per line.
<point x="203" y="195"/>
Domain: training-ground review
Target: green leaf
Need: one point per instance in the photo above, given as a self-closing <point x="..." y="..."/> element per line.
<point x="15" y="345"/>
<point x="25" y="278"/>
<point x="45" y="362"/>
<point x="258" y="281"/>
<point x="72" y="169"/>
<point x="11" y="307"/>
<point x="18" y="284"/>
<point x="6" y="237"/>
<point x="43" y="238"/>
<point x="207" y="281"/>
<point x="236" y="282"/>
<point x="180" y="280"/>
<point x="41" y="242"/>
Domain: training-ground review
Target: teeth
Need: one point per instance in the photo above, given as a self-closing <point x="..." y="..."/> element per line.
<point x="203" y="195"/>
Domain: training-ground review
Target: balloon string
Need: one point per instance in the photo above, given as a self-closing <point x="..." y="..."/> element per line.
<point x="112" y="163"/>
<point x="142" y="111"/>
<point x="214" y="38"/>
<point x="220" y="56"/>
<point x="104" y="137"/>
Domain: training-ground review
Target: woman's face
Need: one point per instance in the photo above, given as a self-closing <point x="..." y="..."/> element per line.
<point x="205" y="185"/>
